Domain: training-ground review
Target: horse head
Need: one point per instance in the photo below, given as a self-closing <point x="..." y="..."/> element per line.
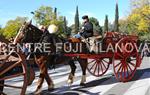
<point x="28" y="33"/>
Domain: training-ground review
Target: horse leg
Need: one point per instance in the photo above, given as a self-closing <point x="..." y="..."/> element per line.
<point x="48" y="80"/>
<point x="1" y="87"/>
<point x="71" y="75"/>
<point x="40" y="82"/>
<point x="83" y="64"/>
<point x="2" y="83"/>
<point x="43" y="74"/>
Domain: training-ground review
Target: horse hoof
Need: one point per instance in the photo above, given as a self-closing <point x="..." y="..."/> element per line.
<point x="1" y="93"/>
<point x="37" y="92"/>
<point x="82" y="84"/>
<point x="70" y="81"/>
<point x="69" y="84"/>
<point x="51" y="87"/>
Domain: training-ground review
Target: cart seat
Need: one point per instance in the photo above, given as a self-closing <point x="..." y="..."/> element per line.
<point x="91" y="42"/>
<point x="74" y="40"/>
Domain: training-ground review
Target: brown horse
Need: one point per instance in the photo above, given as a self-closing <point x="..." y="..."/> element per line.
<point x="31" y="34"/>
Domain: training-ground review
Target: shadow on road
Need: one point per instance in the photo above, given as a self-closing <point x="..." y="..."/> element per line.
<point x="67" y="90"/>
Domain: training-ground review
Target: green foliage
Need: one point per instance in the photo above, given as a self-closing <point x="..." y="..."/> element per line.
<point x="139" y="3"/>
<point x="72" y="27"/>
<point x="45" y="16"/>
<point x="124" y="26"/>
<point x="55" y="13"/>
<point x="145" y="36"/>
<point x="96" y="27"/>
<point x="67" y="31"/>
<point x="12" y="27"/>
<point x="77" y="24"/>
<point x="65" y="25"/>
<point x="138" y="21"/>
<point x="1" y="31"/>
<point x="106" y="24"/>
<point x="116" y="24"/>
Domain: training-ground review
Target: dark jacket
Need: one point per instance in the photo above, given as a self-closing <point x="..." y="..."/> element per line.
<point x="88" y="30"/>
<point x="46" y="37"/>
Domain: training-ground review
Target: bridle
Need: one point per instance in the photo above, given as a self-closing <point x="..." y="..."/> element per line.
<point x="20" y="35"/>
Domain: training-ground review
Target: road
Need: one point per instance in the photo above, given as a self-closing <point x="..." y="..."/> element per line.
<point x="105" y="85"/>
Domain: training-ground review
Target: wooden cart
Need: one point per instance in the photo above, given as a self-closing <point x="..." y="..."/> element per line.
<point x="7" y="65"/>
<point x="124" y="62"/>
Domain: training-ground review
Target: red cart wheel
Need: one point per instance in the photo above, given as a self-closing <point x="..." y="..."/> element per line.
<point x="15" y="60"/>
<point x="98" y="67"/>
<point x="125" y="63"/>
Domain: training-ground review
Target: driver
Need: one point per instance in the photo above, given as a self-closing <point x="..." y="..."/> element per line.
<point x="87" y="28"/>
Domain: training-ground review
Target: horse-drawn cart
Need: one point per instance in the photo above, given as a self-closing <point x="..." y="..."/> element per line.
<point x="119" y="50"/>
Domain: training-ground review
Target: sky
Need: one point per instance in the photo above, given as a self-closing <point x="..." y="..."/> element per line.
<point x="10" y="9"/>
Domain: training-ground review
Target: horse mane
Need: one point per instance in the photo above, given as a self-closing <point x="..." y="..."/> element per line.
<point x="33" y="34"/>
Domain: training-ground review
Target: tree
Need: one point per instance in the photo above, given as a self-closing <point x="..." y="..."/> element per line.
<point x="1" y="31"/>
<point x="72" y="27"/>
<point x="124" y="26"/>
<point x="65" y="25"/>
<point x="140" y="18"/>
<point x="77" y="24"/>
<point x="12" y="27"/>
<point x="66" y="29"/>
<point x="96" y="27"/>
<point x="138" y="21"/>
<point x="116" y="24"/>
<point x="106" y="24"/>
<point x="46" y="16"/>
<point x="138" y="3"/>
<point x="55" y="13"/>
<point x="43" y="15"/>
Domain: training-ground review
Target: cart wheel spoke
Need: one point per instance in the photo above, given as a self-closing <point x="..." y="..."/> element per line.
<point x="132" y="64"/>
<point x="121" y="73"/>
<point x="98" y="69"/>
<point x="95" y="69"/>
<point x="117" y="64"/>
<point x="91" y="61"/>
<point x="93" y="66"/>
<point x="104" y="65"/>
<point x="101" y="67"/>
<point x="119" y="68"/>
<point x="105" y="61"/>
<point x="127" y="70"/>
<point x="130" y="68"/>
<point x="124" y="71"/>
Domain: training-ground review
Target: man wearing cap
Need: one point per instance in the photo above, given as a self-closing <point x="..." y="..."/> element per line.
<point x="87" y="28"/>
